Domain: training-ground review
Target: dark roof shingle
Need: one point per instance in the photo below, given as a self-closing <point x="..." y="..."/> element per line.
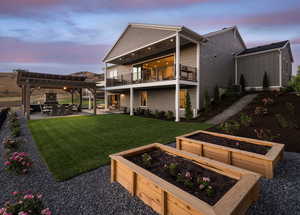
<point x="264" y="48"/>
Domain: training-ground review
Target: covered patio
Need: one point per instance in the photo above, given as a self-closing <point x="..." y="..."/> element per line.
<point x="29" y="81"/>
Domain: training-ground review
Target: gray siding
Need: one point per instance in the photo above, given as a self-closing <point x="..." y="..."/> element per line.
<point x="136" y="37"/>
<point x="158" y="99"/>
<point x="217" y="62"/>
<point x="286" y="66"/>
<point x="253" y="68"/>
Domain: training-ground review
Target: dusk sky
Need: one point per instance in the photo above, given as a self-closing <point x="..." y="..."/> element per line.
<point x="65" y="36"/>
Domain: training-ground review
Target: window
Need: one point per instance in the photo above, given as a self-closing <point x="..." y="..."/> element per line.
<point x="137" y="73"/>
<point x="144" y="98"/>
<point x="154" y="70"/>
<point x="182" y="97"/>
<point x="113" y="74"/>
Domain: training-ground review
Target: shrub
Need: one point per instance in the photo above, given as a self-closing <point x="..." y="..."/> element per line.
<point x="245" y="120"/>
<point x="146" y="158"/>
<point x="216" y="94"/>
<point x="295" y="83"/>
<point x="264" y="134"/>
<point x="162" y="114"/>
<point x="261" y="111"/>
<point x="148" y="112"/>
<point x="11" y="144"/>
<point x="290" y="107"/>
<point x="25" y="204"/>
<point x="242" y="83"/>
<point x="188" y="107"/>
<point x="230" y="126"/>
<point x="18" y="162"/>
<point x="170" y="115"/>
<point x="267" y="101"/>
<point x="125" y="110"/>
<point x="16" y="132"/>
<point x="156" y="114"/>
<point x="282" y="121"/>
<point x="206" y="101"/>
<point x="265" y="81"/>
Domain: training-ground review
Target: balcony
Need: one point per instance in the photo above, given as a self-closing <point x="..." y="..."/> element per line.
<point x="187" y="73"/>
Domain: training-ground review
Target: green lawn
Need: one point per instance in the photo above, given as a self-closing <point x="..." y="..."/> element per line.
<point x="75" y="145"/>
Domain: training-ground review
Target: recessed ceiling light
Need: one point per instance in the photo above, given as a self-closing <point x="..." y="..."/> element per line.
<point x="149" y="48"/>
<point x="171" y="40"/>
<point x="132" y="54"/>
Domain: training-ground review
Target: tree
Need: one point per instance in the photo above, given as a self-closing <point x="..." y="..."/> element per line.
<point x="188" y="107"/>
<point x="265" y="81"/>
<point x="298" y="72"/>
<point x="242" y="83"/>
<point x="216" y="94"/>
<point x="206" y="101"/>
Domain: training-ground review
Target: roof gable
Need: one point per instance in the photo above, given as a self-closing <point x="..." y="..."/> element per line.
<point x="267" y="47"/>
<point x="225" y="30"/>
<point x="138" y="35"/>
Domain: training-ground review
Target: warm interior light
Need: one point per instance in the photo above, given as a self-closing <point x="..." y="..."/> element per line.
<point x="149" y="48"/>
<point x="132" y="54"/>
<point x="171" y="40"/>
<point x="65" y="88"/>
<point x="122" y="95"/>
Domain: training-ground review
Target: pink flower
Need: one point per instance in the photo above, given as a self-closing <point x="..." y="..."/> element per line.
<point x="23" y="213"/>
<point x="28" y="196"/>
<point x="201" y="186"/>
<point x="188" y="175"/>
<point x="206" y="179"/>
<point x="46" y="211"/>
<point x="15" y="193"/>
<point x="7" y="163"/>
<point x="39" y="196"/>
<point x="2" y="210"/>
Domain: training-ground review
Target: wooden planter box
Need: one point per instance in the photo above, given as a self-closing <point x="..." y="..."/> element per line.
<point x="262" y="164"/>
<point x="166" y="198"/>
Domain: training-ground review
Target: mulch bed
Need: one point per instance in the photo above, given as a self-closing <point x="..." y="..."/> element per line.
<point x="267" y="126"/>
<point x="160" y="159"/>
<point x="242" y="145"/>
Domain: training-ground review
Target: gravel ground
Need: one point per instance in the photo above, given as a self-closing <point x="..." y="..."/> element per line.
<point x="92" y="193"/>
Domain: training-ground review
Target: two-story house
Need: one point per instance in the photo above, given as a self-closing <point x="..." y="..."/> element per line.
<point x="155" y="66"/>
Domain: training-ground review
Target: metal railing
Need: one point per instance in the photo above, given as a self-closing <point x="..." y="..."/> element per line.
<point x="187" y="73"/>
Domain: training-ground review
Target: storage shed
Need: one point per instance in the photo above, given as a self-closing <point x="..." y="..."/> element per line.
<point x="274" y="59"/>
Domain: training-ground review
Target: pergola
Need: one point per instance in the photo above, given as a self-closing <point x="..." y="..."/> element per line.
<point x="30" y="80"/>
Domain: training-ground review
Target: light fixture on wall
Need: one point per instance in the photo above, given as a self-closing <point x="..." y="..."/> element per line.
<point x="171" y="40"/>
<point x="65" y="88"/>
<point x="122" y="95"/>
<point x="149" y="48"/>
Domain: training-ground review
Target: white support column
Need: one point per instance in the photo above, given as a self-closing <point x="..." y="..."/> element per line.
<point x="198" y="78"/>
<point x="280" y="68"/>
<point x="105" y="91"/>
<point x="236" y="71"/>
<point x="177" y="88"/>
<point x="90" y="102"/>
<point x="131" y="101"/>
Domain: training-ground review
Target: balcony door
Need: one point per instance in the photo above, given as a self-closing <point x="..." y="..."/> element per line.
<point x="155" y="70"/>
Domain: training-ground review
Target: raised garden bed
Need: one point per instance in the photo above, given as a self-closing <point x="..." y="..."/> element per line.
<point x="146" y="173"/>
<point x="251" y="154"/>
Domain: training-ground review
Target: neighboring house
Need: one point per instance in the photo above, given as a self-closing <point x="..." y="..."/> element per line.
<point x="155" y="66"/>
<point x="274" y="59"/>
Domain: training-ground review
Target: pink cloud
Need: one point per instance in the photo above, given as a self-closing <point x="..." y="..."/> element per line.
<point x="59" y="52"/>
<point x="32" y="7"/>
<point x="287" y="17"/>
